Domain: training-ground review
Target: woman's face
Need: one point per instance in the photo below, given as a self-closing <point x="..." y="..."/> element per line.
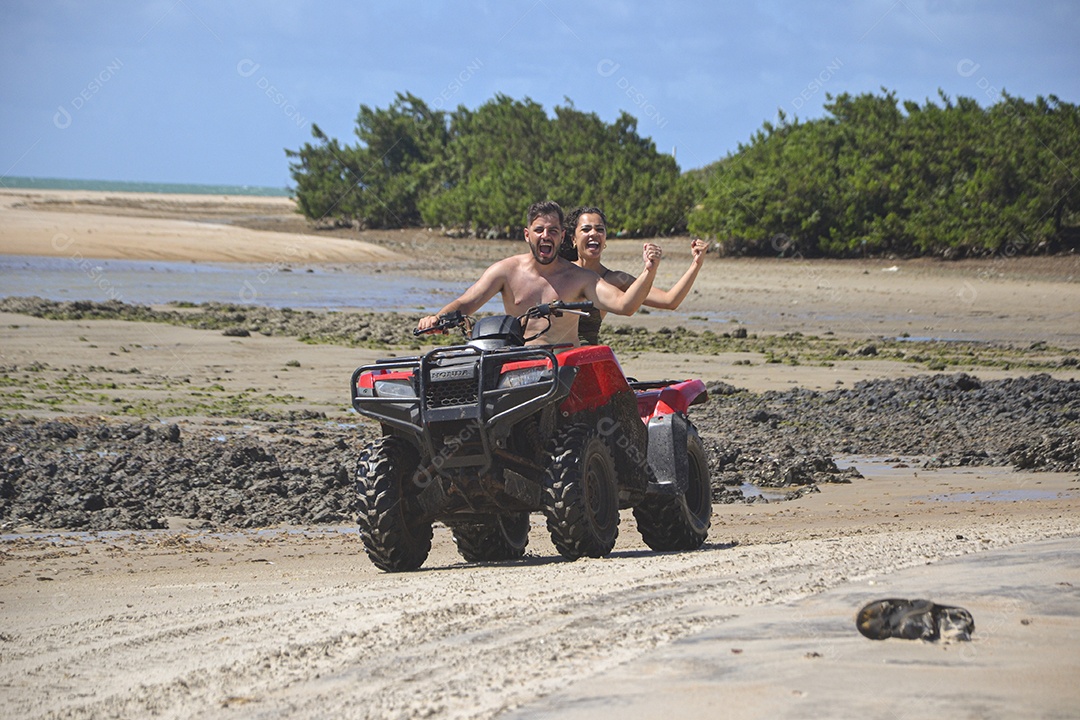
<point x="590" y="236"/>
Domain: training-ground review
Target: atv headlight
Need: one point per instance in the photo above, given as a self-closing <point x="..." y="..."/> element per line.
<point x="399" y="387"/>
<point x="524" y="376"/>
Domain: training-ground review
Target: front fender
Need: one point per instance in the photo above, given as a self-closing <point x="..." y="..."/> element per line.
<point x="667" y="454"/>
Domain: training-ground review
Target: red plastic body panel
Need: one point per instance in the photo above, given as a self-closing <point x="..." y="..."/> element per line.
<point x="524" y="364"/>
<point x="677" y="397"/>
<point x="599" y="377"/>
<point x="367" y="380"/>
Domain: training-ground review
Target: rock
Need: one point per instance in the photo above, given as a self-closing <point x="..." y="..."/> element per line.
<point x="717" y="387"/>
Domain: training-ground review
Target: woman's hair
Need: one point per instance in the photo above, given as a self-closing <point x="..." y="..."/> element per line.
<point x="567" y="249"/>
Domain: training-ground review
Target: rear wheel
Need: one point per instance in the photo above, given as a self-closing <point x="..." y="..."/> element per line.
<point x="395" y="533"/>
<point x="490" y="538"/>
<point x="581" y="499"/>
<point x="680" y="522"/>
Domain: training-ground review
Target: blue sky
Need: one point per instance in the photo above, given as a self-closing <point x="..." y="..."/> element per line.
<point x="203" y="91"/>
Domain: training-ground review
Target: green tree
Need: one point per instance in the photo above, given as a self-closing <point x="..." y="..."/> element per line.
<point x="478" y="169"/>
<point x="325" y="175"/>
<point x="949" y="179"/>
<point x="380" y="182"/>
<point x="495" y="163"/>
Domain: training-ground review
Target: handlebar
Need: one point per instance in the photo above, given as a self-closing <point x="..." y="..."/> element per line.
<point x="546" y="311"/>
<point x="446" y="322"/>
<point x="557" y="308"/>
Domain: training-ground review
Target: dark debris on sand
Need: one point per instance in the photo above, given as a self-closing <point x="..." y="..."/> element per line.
<point x="93" y="474"/>
<point x="90" y="473"/>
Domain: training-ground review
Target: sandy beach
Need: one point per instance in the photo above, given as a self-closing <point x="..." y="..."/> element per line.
<point x="292" y="620"/>
<point x="134" y="226"/>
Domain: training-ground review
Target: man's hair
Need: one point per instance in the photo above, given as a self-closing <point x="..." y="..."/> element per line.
<point x="568" y="250"/>
<point x="545" y="207"/>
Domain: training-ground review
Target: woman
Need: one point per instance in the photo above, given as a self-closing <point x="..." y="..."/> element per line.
<point x="586" y="237"/>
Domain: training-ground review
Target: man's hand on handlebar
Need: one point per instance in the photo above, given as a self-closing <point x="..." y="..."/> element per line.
<point x="442" y="323"/>
<point x="427" y="324"/>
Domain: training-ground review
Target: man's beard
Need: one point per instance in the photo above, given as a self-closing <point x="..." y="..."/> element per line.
<point x="544" y="261"/>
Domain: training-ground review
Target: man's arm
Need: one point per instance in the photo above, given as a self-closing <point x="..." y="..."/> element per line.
<point x="489" y="284"/>
<point x="671" y="299"/>
<point x="608" y="297"/>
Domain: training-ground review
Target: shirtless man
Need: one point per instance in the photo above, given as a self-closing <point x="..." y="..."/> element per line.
<point x="541" y="276"/>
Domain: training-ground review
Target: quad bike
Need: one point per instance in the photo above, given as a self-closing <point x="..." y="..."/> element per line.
<point x="479" y="435"/>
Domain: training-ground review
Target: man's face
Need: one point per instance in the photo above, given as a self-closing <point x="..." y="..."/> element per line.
<point x="544" y="236"/>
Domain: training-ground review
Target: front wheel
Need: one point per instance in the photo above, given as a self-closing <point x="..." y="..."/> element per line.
<point x="581" y="499"/>
<point x="395" y="533"/>
<point x="680" y="522"/>
<point x="490" y="538"/>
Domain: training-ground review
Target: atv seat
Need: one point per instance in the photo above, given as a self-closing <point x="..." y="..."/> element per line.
<point x="649" y="384"/>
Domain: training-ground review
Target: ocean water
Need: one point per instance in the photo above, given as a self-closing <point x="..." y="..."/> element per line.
<point x="146" y="282"/>
<point x="29" y="183"/>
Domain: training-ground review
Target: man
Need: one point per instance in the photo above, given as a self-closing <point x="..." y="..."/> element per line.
<point x="541" y="276"/>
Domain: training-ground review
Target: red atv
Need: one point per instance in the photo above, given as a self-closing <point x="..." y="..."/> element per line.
<point x="482" y="434"/>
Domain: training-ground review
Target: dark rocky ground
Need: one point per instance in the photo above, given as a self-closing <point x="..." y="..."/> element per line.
<point x="92" y="473"/>
<point x="778" y="438"/>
